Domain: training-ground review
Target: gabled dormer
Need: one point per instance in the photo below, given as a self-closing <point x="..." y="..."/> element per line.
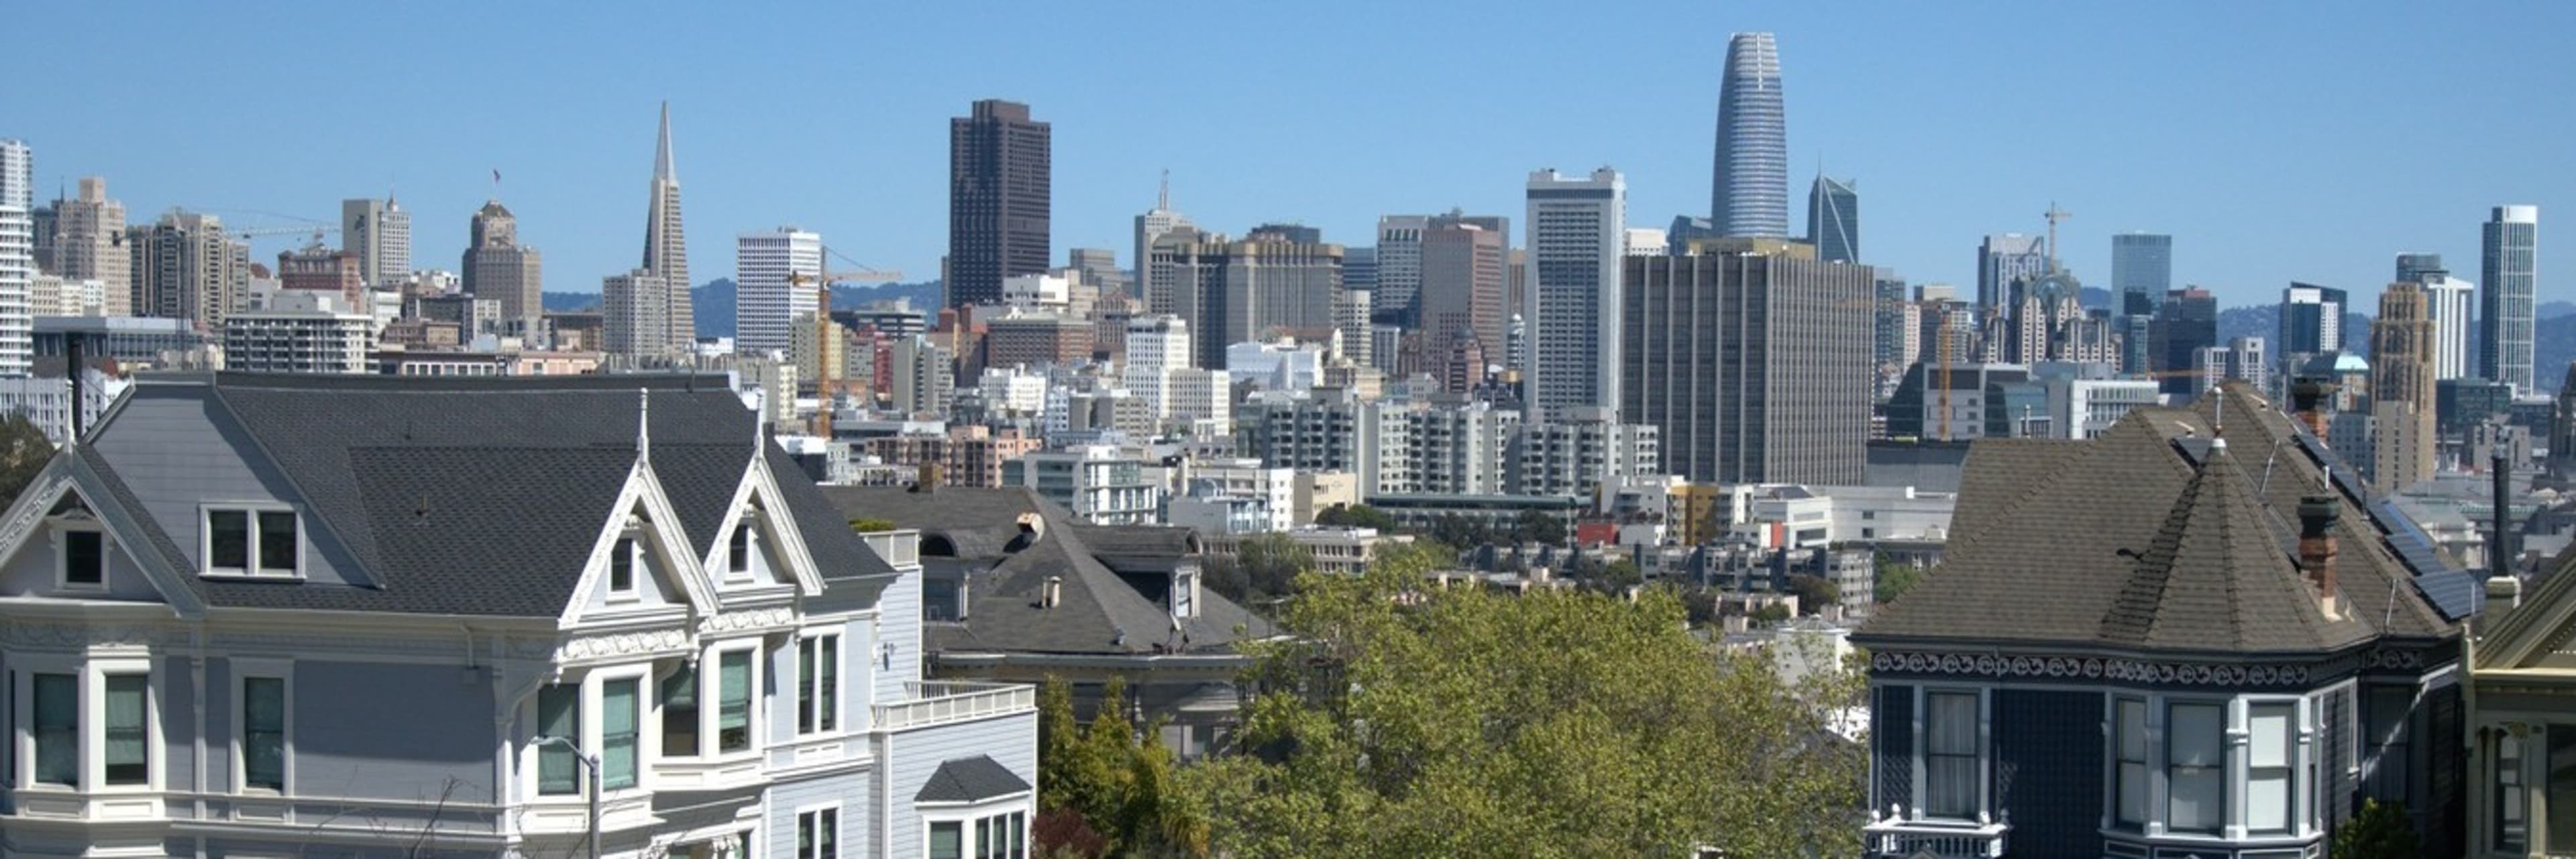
<point x="756" y="549"/>
<point x="640" y="565"/>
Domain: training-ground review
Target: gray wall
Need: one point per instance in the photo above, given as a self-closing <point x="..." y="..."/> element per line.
<point x="1012" y="741"/>
<point x="173" y="453"/>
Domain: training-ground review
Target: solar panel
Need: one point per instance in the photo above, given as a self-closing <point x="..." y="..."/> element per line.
<point x="2453" y="591"/>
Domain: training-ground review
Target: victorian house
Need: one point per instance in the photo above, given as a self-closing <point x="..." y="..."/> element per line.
<point x="2522" y="719"/>
<point x="2184" y="637"/>
<point x="266" y="616"/>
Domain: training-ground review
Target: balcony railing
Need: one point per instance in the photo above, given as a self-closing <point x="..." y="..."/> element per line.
<point x="930" y="703"/>
<point x="899" y="548"/>
<point x="1897" y="836"/>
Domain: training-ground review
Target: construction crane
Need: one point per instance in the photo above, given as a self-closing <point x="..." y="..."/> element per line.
<point x="2054" y="215"/>
<point x="248" y="233"/>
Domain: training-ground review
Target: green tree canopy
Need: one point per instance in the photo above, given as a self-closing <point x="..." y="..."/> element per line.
<point x="1106" y="789"/>
<point x="2380" y="831"/>
<point x="872" y="526"/>
<point x="1814" y="592"/>
<point x="1407" y="721"/>
<point x="1894" y="579"/>
<point x="24" y="450"/>
<point x="1356" y="516"/>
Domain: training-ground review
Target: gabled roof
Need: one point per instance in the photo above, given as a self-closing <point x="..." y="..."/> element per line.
<point x="468" y="496"/>
<point x="1007" y="568"/>
<point x="972" y="779"/>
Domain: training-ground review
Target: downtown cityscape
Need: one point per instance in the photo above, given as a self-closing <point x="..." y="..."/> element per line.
<point x="1547" y="524"/>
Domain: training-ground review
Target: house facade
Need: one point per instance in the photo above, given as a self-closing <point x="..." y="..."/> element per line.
<point x="2179" y="638"/>
<point x="2522" y="719"/>
<point x="263" y="616"/>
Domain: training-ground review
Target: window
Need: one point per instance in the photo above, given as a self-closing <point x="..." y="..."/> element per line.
<point x="947" y="840"/>
<point x="558" y="715"/>
<point x="733" y="701"/>
<point x="621" y="567"/>
<point x="2195" y="767"/>
<point x="2510" y="828"/>
<point x="2388" y="709"/>
<point x="1950" y="755"/>
<point x="264" y="733"/>
<point x="251" y="542"/>
<point x="818" y="834"/>
<point x="738" y="552"/>
<point x="680" y="713"/>
<point x="1002" y="836"/>
<point x="84" y="558"/>
<point x="818" y="685"/>
<point x="2130" y="727"/>
<point x="57" y="705"/>
<point x="619" y="728"/>
<point x="129" y="747"/>
<point x="2270" y="800"/>
<point x="1182" y="586"/>
<point x="2561" y="798"/>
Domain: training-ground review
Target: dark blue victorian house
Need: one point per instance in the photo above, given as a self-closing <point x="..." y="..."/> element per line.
<point x="2172" y="640"/>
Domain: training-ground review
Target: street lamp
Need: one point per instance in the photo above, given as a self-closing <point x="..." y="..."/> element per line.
<point x="591" y="764"/>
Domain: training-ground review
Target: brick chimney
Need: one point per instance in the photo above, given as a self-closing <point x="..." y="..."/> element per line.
<point x="928" y="476"/>
<point x="2317" y="515"/>
<point x="2307" y="394"/>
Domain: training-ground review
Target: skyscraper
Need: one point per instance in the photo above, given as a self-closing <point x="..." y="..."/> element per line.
<point x="17" y="257"/>
<point x="666" y="248"/>
<point x="2414" y="267"/>
<point x="1231" y="292"/>
<point x="1749" y="196"/>
<point x="1577" y="232"/>
<point x="2004" y="258"/>
<point x="769" y="296"/>
<point x="2402" y="340"/>
<point x="2508" y="266"/>
<point x="1462" y="289"/>
<point x="497" y="267"/>
<point x="2186" y="322"/>
<point x="186" y="267"/>
<point x="1399" y="268"/>
<point x="2311" y="321"/>
<point x="1151" y="225"/>
<point x="1833" y="219"/>
<point x="89" y="244"/>
<point x="2450" y="299"/>
<point x="2141" y="271"/>
<point x="379" y="232"/>
<point x="999" y="199"/>
<point x="1747" y="365"/>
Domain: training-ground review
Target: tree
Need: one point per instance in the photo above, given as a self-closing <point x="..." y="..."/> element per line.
<point x="1105" y="789"/>
<point x="2381" y="831"/>
<point x="24" y="450"/>
<point x="1459" y="532"/>
<point x="873" y="526"/>
<point x="1399" y="720"/>
<point x="1270" y="564"/>
<point x="1814" y="592"/>
<point x="1894" y="579"/>
<point x="1356" y="516"/>
<point x="1533" y="526"/>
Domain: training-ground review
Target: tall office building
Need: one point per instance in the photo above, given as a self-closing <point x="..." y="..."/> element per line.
<point x="2141" y="271"/>
<point x="2509" y="269"/>
<point x="2004" y="258"/>
<point x="1154" y="224"/>
<point x="1399" y="268"/>
<point x="1833" y="219"/>
<point x="1577" y="230"/>
<point x="497" y="267"/>
<point x="2186" y="322"/>
<point x="666" y="251"/>
<point x="17" y="257"/>
<point x="89" y="244"/>
<point x="1894" y="342"/>
<point x="1746" y="365"/>
<point x="2451" y="299"/>
<point x="186" y="267"/>
<point x="1230" y="292"/>
<point x="379" y="233"/>
<point x="2311" y="321"/>
<point x="1462" y="291"/>
<point x="2415" y="267"/>
<point x="999" y="199"/>
<point x="2402" y="340"/>
<point x="776" y="277"/>
<point x="1749" y="194"/>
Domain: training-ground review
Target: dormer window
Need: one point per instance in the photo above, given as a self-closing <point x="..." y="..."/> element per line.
<point x="621" y="567"/>
<point x="738" y="552"/>
<point x="84" y="557"/>
<point x="1184" y="588"/>
<point x="241" y="541"/>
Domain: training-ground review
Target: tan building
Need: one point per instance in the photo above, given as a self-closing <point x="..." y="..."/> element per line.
<point x="186" y="267"/>
<point x="967" y="455"/>
<point x="2402" y="365"/>
<point x="1032" y="339"/>
<point x="496" y="266"/>
<point x="320" y="269"/>
<point x="1232" y="292"/>
<point x="90" y="244"/>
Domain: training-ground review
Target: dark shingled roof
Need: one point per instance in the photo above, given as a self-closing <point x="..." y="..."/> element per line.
<point x="972" y="779"/>
<point x="481" y="496"/>
<point x="2142" y="539"/>
<point x="1099" y="612"/>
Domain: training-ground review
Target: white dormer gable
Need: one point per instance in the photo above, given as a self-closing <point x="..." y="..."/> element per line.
<point x="639" y="563"/>
<point x="58" y="541"/>
<point x="772" y="548"/>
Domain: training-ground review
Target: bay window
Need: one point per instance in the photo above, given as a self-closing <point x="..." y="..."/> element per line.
<point x="2510" y="826"/>
<point x="733" y="701"/>
<point x="2129" y="726"/>
<point x="128" y="756"/>
<point x="2388" y="708"/>
<point x="558" y="715"/>
<point x="619" y="729"/>
<point x="2271" y="744"/>
<point x="1950" y="755"/>
<point x="264" y="733"/>
<point x="818" y="690"/>
<point x="2195" y="767"/>
<point x="948" y="840"/>
<point x="57" y="717"/>
<point x="680" y="713"/>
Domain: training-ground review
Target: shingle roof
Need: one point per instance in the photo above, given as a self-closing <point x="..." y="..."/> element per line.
<point x="478" y="496"/>
<point x="1098" y="612"/>
<point x="972" y="779"/>
<point x="2129" y="541"/>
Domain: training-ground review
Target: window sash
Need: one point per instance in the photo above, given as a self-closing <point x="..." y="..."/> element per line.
<point x="2561" y="795"/>
<point x="680" y="713"/>
<point x="128" y="752"/>
<point x="558" y="715"/>
<point x="738" y="549"/>
<point x="277" y="541"/>
<point x="2195" y="767"/>
<point x="2130" y="727"/>
<point x="2270" y="794"/>
<point x="2510" y="827"/>
<point x="621" y="567"/>
<point x="84" y="557"/>
<point x="1950" y="759"/>
<point x="733" y="701"/>
<point x="619" y="727"/>
<point x="818" y="834"/>
<point x="818" y="693"/>
<point x="947" y="840"/>
<point x="264" y="733"/>
<point x="228" y="540"/>
<point x="57" y="717"/>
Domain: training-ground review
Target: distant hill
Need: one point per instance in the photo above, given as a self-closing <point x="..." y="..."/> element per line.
<point x="713" y="301"/>
<point x="2553" y="347"/>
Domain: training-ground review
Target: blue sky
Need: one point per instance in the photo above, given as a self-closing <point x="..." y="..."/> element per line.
<point x="2276" y="141"/>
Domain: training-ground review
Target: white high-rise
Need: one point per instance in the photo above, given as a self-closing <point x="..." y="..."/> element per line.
<point x="775" y="278"/>
<point x="2451" y="299"/>
<point x="1150" y="226"/>
<point x="17" y="256"/>
<point x="1577" y="238"/>
<point x="1156" y="345"/>
<point x="379" y="232"/>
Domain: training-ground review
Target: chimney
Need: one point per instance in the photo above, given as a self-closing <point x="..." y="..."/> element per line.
<point x="1053" y="594"/>
<point x="2306" y="395"/>
<point x="928" y="478"/>
<point x="2317" y="515"/>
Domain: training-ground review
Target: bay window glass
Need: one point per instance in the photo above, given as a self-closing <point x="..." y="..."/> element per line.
<point x="2195" y="767"/>
<point x="946" y="840"/>
<point x="2271" y="744"/>
<point x="2130" y="730"/>
<point x="558" y="715"/>
<point x="264" y="733"/>
<point x="57" y="706"/>
<point x="2389" y="748"/>
<point x="1950" y="754"/>
<point x="733" y="701"/>
<point x="129" y="748"/>
<point x="619" y="728"/>
<point x="2510" y="828"/>
<point x="680" y="713"/>
<point x="818" y="684"/>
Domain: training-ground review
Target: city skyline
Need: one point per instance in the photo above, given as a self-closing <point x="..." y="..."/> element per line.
<point x="2280" y="154"/>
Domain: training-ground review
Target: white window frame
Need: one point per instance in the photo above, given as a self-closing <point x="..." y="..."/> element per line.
<point x="243" y="670"/>
<point x="660" y="712"/>
<point x="967" y="814"/>
<point x="594" y="725"/>
<point x="840" y="683"/>
<point x="747" y="525"/>
<point x="93" y="726"/>
<point x="840" y="833"/>
<point x="1984" y="744"/>
<point x="711" y="700"/>
<point x="533" y="774"/>
<point x="206" y="540"/>
<point x="2294" y="765"/>
<point x="2149" y="740"/>
<point x="2230" y="772"/>
<point x="63" y="526"/>
<point x="23" y="706"/>
<point x="632" y="541"/>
